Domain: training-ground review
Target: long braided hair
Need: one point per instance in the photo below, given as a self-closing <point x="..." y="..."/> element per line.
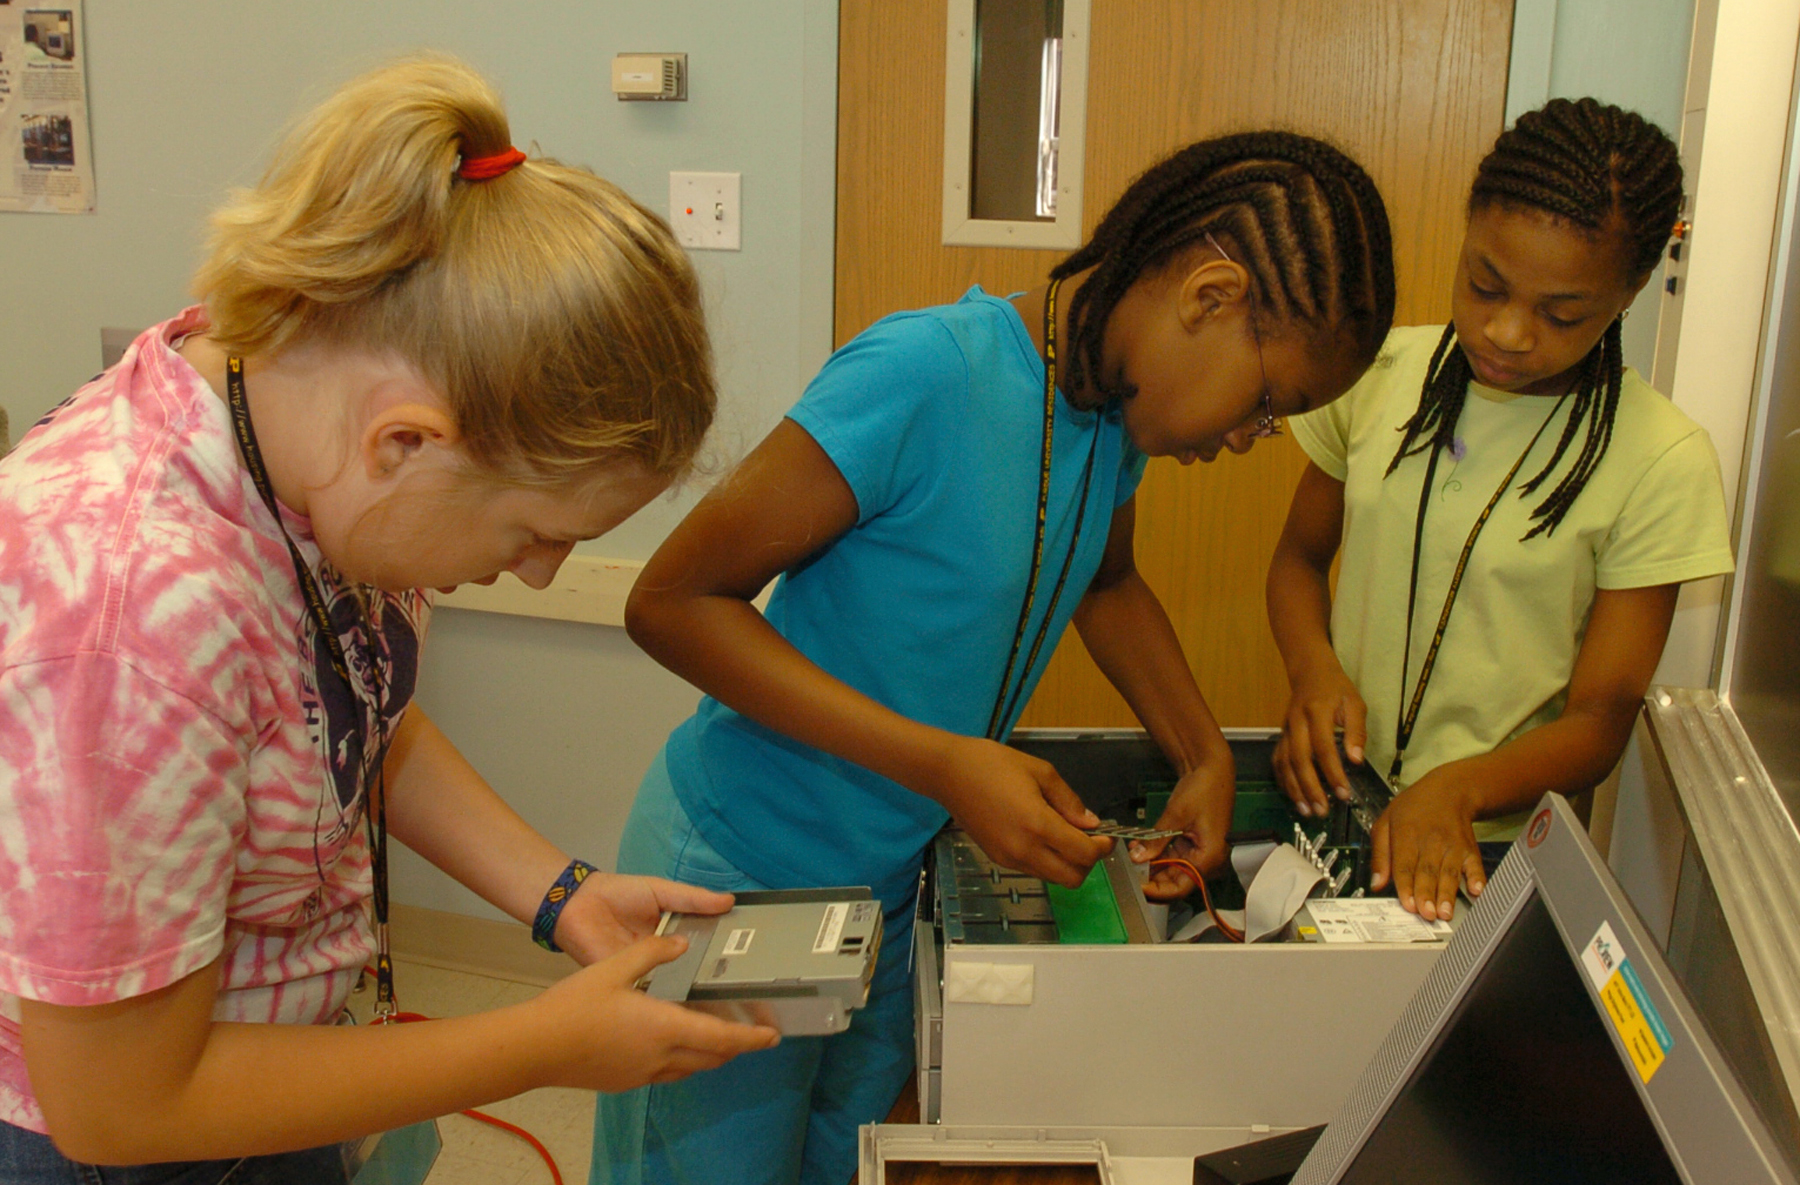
<point x="1606" y="171"/>
<point x="1305" y="221"/>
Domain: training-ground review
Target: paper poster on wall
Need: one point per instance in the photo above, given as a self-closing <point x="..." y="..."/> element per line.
<point x="48" y="165"/>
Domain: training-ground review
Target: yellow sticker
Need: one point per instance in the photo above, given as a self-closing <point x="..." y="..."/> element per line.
<point x="1634" y="1030"/>
<point x="1641" y="1030"/>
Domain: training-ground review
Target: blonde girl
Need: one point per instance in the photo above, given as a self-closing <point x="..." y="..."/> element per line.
<point x="419" y="360"/>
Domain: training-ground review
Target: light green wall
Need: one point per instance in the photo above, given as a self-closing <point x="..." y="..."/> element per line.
<point x="183" y="109"/>
<point x="186" y="101"/>
<point x="1631" y="53"/>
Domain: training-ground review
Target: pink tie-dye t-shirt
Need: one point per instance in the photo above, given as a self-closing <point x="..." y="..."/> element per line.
<point x="181" y="769"/>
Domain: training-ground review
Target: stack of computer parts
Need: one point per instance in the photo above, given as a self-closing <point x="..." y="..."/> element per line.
<point x="1051" y="1014"/>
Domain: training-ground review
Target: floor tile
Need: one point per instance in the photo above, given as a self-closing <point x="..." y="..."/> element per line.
<point x="476" y="1153"/>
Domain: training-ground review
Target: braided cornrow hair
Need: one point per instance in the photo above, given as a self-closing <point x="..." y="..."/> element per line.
<point x="1604" y="170"/>
<point x="1303" y="218"/>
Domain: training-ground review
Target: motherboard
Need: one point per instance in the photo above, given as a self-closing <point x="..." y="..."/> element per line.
<point x="1124" y="780"/>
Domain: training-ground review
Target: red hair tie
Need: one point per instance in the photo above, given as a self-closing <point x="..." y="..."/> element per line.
<point x="480" y="168"/>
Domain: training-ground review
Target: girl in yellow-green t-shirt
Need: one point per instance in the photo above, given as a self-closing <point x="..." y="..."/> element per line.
<point x="1516" y="510"/>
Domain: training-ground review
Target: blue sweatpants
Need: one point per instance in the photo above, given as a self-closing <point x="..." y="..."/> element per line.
<point x="783" y="1115"/>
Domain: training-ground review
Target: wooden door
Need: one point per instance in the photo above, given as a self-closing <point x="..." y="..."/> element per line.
<point x="1414" y="89"/>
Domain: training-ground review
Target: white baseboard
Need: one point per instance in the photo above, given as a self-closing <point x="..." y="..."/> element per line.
<point x="476" y="946"/>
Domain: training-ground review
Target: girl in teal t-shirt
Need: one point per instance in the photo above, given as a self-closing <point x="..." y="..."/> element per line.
<point x="1241" y="279"/>
<point x="1517" y="511"/>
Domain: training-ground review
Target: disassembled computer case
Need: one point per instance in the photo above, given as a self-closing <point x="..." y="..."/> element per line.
<point x="1055" y="1026"/>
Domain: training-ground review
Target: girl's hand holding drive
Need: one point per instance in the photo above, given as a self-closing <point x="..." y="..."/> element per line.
<point x="609" y="912"/>
<point x="618" y="1038"/>
<point x="1425" y="843"/>
<point x="186" y="1096"/>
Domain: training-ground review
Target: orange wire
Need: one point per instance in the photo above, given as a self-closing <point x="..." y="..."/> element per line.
<point x="523" y="1135"/>
<point x="1230" y="931"/>
<point x="399" y="1018"/>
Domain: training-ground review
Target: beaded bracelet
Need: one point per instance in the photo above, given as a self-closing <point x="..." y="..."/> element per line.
<point x="543" y="927"/>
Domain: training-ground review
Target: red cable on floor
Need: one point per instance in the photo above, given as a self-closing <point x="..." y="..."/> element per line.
<point x="482" y="1116"/>
<point x="520" y="1132"/>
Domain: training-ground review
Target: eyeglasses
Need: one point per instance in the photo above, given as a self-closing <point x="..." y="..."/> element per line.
<point x="1266" y="424"/>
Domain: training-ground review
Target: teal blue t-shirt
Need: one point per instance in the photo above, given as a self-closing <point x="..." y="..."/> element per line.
<point x="935" y="420"/>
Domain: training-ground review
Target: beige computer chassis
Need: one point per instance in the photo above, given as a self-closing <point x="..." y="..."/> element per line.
<point x="1136" y="1058"/>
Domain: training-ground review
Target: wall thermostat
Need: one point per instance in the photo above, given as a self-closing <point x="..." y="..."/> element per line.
<point x="654" y="76"/>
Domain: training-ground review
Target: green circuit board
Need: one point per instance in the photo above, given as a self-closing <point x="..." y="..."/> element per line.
<point x="1088" y="916"/>
<point x="976" y="901"/>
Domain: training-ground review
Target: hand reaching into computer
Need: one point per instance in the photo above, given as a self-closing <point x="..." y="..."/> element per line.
<point x="1425" y="844"/>
<point x="1201" y="808"/>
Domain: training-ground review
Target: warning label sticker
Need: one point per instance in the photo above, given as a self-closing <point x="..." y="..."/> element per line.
<point x="1373" y="919"/>
<point x="1634" y="1016"/>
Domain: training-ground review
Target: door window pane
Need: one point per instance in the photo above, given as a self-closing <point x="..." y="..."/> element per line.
<point x="1013" y="141"/>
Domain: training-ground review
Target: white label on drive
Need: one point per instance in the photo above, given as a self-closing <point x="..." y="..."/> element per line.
<point x="737" y="943"/>
<point x="831" y="929"/>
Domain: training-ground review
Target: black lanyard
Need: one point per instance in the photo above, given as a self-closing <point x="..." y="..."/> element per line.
<point x="1403" y="728"/>
<point x="1007" y="700"/>
<point x="376" y="818"/>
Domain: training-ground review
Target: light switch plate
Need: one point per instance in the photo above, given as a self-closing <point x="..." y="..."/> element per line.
<point x="705" y="210"/>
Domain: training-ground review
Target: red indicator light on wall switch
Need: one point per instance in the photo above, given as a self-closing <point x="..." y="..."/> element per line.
<point x="703" y="210"/>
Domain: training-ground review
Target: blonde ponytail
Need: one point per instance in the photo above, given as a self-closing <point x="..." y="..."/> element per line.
<point x="559" y="317"/>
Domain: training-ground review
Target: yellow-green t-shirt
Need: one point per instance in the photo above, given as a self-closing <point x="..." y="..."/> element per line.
<point x="1652" y="512"/>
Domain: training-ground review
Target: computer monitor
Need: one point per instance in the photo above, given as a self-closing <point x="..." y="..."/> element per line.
<point x="1550" y="1043"/>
